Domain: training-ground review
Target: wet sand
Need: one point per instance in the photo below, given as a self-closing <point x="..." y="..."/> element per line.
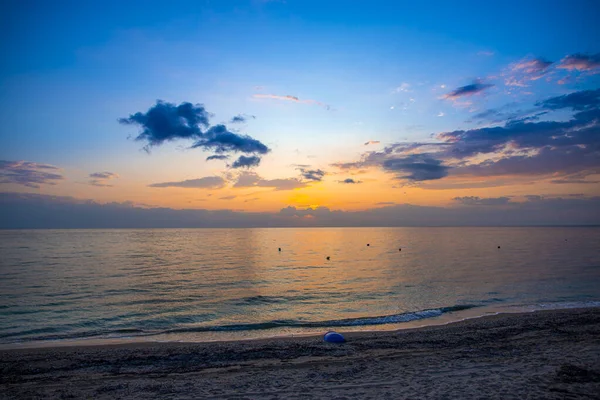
<point x="542" y="355"/>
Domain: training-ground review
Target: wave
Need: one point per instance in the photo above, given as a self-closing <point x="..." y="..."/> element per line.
<point x="52" y="334"/>
<point x="362" y="321"/>
<point x="55" y="334"/>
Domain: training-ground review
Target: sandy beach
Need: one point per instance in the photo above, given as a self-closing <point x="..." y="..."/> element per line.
<point x="542" y="355"/>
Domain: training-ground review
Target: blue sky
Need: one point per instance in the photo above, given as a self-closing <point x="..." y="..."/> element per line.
<point x="315" y="81"/>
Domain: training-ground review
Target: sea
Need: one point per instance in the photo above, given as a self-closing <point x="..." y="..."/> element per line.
<point x="66" y="287"/>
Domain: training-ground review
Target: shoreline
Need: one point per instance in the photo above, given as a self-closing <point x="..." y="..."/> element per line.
<point x="543" y="354"/>
<point x="255" y="335"/>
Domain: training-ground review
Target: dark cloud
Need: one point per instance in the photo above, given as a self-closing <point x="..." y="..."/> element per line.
<point x="167" y="122"/>
<point x="372" y="142"/>
<point x="217" y="157"/>
<point x="583" y="129"/>
<point x="250" y="179"/>
<point x="221" y="140"/>
<point x="468" y="90"/>
<point x="524" y="145"/>
<point x="27" y="210"/>
<point x="227" y="197"/>
<point x="578" y="101"/>
<point x="312" y="174"/>
<point x="478" y="201"/>
<point x="208" y="182"/>
<point x="28" y="173"/>
<point x="416" y="167"/>
<point x="240" y="118"/>
<point x="349" y="181"/>
<point x="385" y="203"/>
<point x="246" y="162"/>
<point x="580" y="62"/>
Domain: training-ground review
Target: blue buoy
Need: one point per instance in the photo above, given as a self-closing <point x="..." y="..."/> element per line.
<point x="334" y="337"/>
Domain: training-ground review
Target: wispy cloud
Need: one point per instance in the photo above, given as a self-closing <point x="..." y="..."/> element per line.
<point x="241" y="118"/>
<point x="486" y="53"/>
<point x="251" y="179"/>
<point x="580" y="62"/>
<point x="30" y="174"/>
<point x="372" y="142"/>
<point x="102" y="179"/>
<point x="478" y="201"/>
<point x="293" y="99"/>
<point x="208" y="182"/>
<point x="526" y="70"/>
<point x="404" y="87"/>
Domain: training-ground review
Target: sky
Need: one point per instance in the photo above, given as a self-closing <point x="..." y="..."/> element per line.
<point x="299" y="112"/>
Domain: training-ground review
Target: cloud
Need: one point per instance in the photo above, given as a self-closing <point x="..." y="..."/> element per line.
<point x="573" y="181"/>
<point x="532" y="66"/>
<point x="478" y="201"/>
<point x="28" y="210"/>
<point x="227" y="197"/>
<point x="103" y="175"/>
<point x="468" y="90"/>
<point x="246" y="162"/>
<point x="579" y="101"/>
<point x="526" y="70"/>
<point x="580" y="62"/>
<point x="208" y="182"/>
<point x="485" y="53"/>
<point x="312" y="174"/>
<point x="349" y="181"/>
<point x="293" y="99"/>
<point x="241" y="118"/>
<point x="441" y="114"/>
<point x="101" y="179"/>
<point x="523" y="146"/>
<point x="30" y="174"/>
<point x="416" y="167"/>
<point x="165" y="122"/>
<point x="372" y="142"/>
<point x="404" y="87"/>
<point x="251" y="179"/>
<point x="221" y="140"/>
<point x="217" y="157"/>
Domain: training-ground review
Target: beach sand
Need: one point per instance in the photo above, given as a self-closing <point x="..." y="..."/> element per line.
<point x="542" y="355"/>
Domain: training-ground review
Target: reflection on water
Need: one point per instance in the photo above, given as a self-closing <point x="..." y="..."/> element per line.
<point x="75" y="283"/>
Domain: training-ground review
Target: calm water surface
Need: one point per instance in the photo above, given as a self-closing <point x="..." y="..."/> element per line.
<point x="204" y="284"/>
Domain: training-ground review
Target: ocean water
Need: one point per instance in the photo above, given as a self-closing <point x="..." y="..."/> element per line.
<point x="67" y="286"/>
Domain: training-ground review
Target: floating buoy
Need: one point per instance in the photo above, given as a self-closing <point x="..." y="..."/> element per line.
<point x="333" y="337"/>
